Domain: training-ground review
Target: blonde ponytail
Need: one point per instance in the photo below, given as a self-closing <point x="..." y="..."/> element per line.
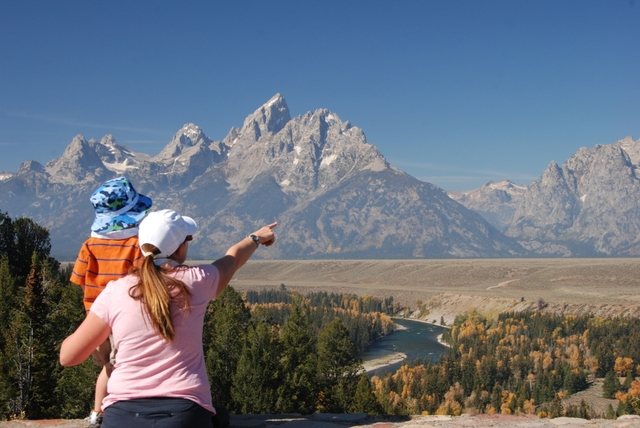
<point x="156" y="290"/>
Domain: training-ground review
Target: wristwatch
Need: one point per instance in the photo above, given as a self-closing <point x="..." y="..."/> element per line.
<point x="255" y="239"/>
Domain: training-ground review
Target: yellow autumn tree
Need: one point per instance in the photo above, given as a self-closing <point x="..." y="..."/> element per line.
<point x="623" y="366"/>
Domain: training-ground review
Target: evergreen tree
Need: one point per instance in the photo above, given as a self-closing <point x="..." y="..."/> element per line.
<point x="224" y="333"/>
<point x="611" y="385"/>
<point x="30" y="238"/>
<point x="611" y="413"/>
<point x="38" y="309"/>
<point x="364" y="400"/>
<point x="623" y="408"/>
<point x="555" y="408"/>
<point x="627" y="381"/>
<point x="257" y="378"/>
<point x="7" y="235"/>
<point x="74" y="384"/>
<point x="297" y="392"/>
<point x="26" y="364"/>
<point x="39" y="364"/>
<point x="338" y="368"/>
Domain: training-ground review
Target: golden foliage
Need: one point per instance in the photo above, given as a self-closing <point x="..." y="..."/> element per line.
<point x="623" y="366"/>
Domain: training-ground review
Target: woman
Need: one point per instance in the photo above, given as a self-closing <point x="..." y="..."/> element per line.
<point x="155" y="315"/>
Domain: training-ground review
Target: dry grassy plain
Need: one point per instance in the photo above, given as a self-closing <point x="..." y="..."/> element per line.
<point x="559" y="281"/>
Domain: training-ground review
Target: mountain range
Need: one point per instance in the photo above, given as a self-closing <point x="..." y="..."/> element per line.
<point x="588" y="207"/>
<point x="335" y="196"/>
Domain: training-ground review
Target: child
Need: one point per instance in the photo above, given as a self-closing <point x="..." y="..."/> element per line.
<point x="107" y="255"/>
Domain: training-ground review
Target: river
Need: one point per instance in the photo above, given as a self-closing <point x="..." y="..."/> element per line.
<point x="412" y="340"/>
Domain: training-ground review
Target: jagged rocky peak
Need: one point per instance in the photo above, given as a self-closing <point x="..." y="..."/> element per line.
<point x="311" y="152"/>
<point x="188" y="136"/>
<point x="108" y="149"/>
<point x="78" y="163"/>
<point x="631" y="147"/>
<point x="31" y="166"/>
<point x="232" y="137"/>
<point x="116" y="157"/>
<point x="270" y="118"/>
<point x="552" y="174"/>
<point x="603" y="165"/>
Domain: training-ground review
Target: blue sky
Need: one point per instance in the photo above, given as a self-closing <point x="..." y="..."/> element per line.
<point x="456" y="93"/>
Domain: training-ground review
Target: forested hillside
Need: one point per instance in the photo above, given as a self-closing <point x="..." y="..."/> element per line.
<point x="520" y="363"/>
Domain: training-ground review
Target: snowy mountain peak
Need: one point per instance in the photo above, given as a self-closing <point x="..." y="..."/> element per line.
<point x="188" y="136"/>
<point x="506" y="185"/>
<point x="191" y="133"/>
<point x="108" y="140"/>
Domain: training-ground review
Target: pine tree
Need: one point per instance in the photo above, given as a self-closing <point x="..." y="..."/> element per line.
<point x="30" y="239"/>
<point x="297" y="392"/>
<point x="338" y="368"/>
<point x="74" y="384"/>
<point x="627" y="381"/>
<point x="40" y="364"/>
<point x="257" y="378"/>
<point x="7" y="235"/>
<point x="38" y="309"/>
<point x="364" y="400"/>
<point x="26" y="357"/>
<point x="611" y="385"/>
<point x="611" y="413"/>
<point x="224" y="333"/>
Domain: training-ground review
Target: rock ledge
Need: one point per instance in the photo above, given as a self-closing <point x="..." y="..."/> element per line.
<point x="363" y="421"/>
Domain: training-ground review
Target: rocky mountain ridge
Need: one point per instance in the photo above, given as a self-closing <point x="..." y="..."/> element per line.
<point x="333" y="193"/>
<point x="589" y="206"/>
<point x="336" y="196"/>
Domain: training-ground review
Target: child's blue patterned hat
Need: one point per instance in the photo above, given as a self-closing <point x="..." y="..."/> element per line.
<point x="118" y="206"/>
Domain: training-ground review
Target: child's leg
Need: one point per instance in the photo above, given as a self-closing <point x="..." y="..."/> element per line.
<point x="101" y="389"/>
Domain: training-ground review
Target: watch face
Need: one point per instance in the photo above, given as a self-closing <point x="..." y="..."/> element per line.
<point x="255" y="239"/>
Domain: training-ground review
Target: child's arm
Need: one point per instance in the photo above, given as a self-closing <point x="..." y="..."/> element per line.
<point x="80" y="267"/>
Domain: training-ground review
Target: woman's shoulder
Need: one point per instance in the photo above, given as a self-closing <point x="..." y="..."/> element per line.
<point x="204" y="270"/>
<point x="125" y="282"/>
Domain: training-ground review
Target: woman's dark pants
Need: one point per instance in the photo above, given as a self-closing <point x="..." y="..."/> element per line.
<point x="156" y="413"/>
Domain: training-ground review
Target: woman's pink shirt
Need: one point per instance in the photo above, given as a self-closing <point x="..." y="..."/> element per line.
<point x="147" y="365"/>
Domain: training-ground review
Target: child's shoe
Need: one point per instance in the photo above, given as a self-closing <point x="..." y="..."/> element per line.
<point x="95" y="419"/>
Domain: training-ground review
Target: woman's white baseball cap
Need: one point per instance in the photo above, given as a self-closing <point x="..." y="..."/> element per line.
<point x="166" y="230"/>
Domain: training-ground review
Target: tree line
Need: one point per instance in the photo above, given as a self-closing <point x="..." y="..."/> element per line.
<point x="365" y="317"/>
<point x="39" y="307"/>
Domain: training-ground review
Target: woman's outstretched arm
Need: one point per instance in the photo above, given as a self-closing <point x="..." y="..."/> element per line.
<point x="239" y="253"/>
